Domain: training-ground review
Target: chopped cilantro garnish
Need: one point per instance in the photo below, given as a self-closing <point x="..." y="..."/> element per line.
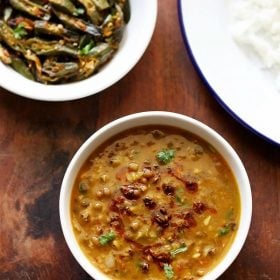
<point x="183" y="248"/>
<point x="165" y="156"/>
<point x="107" y="238"/>
<point x="19" y="31"/>
<point x="226" y="229"/>
<point x="87" y="48"/>
<point x="168" y="270"/>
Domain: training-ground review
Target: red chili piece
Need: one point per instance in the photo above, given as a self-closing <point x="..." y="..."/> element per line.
<point x="189" y="220"/>
<point x="130" y="191"/>
<point x="161" y="217"/>
<point x="168" y="189"/>
<point x="160" y="257"/>
<point x="116" y="222"/>
<point x="118" y="207"/>
<point x="199" y="207"/>
<point x="191" y="186"/>
<point x="149" y="202"/>
<point x="116" y="203"/>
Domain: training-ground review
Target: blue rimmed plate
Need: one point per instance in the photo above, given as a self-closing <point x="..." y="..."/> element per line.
<point x="235" y="80"/>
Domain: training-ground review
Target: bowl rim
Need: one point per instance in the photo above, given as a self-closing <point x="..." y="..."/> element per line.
<point x="87" y="87"/>
<point x="154" y="117"/>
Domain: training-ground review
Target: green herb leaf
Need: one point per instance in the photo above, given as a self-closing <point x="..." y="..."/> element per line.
<point x="87" y="48"/>
<point x="19" y="31"/>
<point x="168" y="270"/>
<point x="227" y="228"/>
<point x="165" y="156"/>
<point x="183" y="248"/>
<point x="107" y="238"/>
<point x="224" y="230"/>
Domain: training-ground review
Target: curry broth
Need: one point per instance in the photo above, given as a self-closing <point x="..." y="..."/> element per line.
<point x="155" y="203"/>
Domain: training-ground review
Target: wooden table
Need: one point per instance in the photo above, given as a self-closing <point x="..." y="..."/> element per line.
<point x="38" y="139"/>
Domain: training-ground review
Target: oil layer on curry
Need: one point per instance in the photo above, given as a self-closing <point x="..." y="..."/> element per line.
<point x="155" y="203"/>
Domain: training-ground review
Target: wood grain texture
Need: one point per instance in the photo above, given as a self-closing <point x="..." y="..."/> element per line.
<point x="38" y="139"/>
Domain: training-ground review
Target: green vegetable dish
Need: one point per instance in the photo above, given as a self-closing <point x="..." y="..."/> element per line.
<point x="155" y="203"/>
<point x="60" y="41"/>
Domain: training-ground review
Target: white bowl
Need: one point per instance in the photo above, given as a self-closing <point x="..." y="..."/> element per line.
<point x="137" y="35"/>
<point x="157" y="118"/>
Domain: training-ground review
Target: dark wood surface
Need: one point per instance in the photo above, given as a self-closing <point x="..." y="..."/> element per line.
<point x="38" y="139"/>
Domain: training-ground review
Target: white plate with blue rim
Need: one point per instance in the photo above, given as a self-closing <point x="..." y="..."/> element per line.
<point x="236" y="80"/>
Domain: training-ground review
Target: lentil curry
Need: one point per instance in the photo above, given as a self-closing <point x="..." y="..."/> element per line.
<point x="155" y="203"/>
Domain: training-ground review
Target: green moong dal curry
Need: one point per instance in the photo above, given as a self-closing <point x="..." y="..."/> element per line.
<point x="155" y="203"/>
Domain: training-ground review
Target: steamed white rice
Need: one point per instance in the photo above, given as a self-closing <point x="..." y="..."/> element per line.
<point x="256" y="26"/>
